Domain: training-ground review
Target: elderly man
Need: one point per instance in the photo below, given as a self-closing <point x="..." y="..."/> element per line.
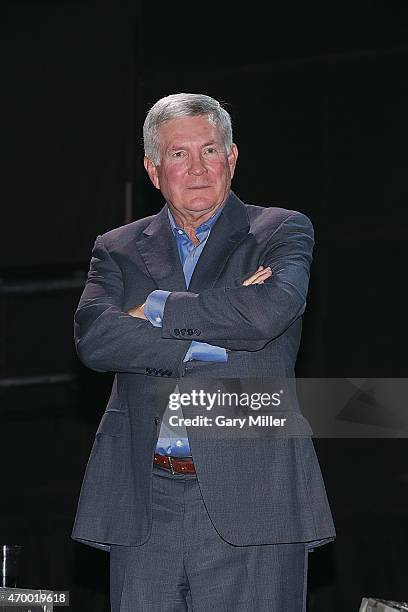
<point x="208" y="287"/>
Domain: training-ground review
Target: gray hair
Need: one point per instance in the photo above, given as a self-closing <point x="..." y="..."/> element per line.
<point x="183" y="105"/>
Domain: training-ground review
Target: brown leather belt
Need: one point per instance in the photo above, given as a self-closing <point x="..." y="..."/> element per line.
<point x="176" y="465"/>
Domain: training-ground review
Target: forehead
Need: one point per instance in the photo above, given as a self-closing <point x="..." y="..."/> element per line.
<point x="189" y="130"/>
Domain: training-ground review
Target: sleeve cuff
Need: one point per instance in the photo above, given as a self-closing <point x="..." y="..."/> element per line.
<point x="206" y="352"/>
<point x="154" y="306"/>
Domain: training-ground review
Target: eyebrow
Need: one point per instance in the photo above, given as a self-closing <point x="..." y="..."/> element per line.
<point x="206" y="144"/>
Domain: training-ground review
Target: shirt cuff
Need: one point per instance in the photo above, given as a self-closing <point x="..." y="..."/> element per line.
<point x="206" y="352"/>
<point x="154" y="306"/>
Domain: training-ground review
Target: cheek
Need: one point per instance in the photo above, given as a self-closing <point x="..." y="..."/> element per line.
<point x="223" y="173"/>
<point x="174" y="177"/>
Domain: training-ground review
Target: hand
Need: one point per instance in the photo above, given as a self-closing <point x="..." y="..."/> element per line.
<point x="138" y="311"/>
<point x="259" y="276"/>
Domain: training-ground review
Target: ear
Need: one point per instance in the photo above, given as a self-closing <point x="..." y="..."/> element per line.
<point x="232" y="158"/>
<point x="151" y="171"/>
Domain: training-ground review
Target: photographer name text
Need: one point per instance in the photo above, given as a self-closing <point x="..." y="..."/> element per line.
<point x="223" y="421"/>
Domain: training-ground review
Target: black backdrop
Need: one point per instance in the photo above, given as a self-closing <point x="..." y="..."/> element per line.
<point x="318" y="101"/>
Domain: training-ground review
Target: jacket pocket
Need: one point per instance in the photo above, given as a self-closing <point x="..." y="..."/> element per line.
<point x="111" y="423"/>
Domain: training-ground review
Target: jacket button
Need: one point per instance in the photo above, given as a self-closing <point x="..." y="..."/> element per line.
<point x="169" y="372"/>
<point x="154" y="371"/>
<point x="197" y="332"/>
<point x="190" y="332"/>
<point x="149" y="370"/>
<point x="156" y="420"/>
<point x="161" y="372"/>
<point x="177" y="332"/>
<point x="183" y="332"/>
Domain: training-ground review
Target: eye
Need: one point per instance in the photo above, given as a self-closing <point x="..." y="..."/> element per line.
<point x="210" y="150"/>
<point x="178" y="154"/>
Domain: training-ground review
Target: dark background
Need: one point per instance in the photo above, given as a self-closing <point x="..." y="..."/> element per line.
<point x="318" y="98"/>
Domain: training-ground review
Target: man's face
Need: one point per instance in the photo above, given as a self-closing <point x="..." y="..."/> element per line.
<point x="195" y="172"/>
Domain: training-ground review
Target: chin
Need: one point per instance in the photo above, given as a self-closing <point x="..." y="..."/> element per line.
<point x="200" y="203"/>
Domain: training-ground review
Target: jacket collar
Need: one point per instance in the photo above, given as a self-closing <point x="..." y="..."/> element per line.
<point x="158" y="248"/>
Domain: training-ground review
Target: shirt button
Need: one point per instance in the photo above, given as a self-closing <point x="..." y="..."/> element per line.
<point x="179" y="443"/>
<point x="158" y="319"/>
<point x="180" y="231"/>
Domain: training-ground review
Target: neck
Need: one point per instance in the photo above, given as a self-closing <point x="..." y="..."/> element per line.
<point x="190" y="221"/>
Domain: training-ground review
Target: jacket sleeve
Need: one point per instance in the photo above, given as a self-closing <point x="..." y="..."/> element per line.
<point x="248" y="317"/>
<point x="110" y="340"/>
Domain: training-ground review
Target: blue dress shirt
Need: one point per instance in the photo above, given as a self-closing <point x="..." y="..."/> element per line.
<point x="175" y="442"/>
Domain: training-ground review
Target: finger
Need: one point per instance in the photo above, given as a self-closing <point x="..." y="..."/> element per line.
<point x="258" y="270"/>
<point x="259" y="273"/>
<point x="258" y="276"/>
<point x="249" y="280"/>
<point x="264" y="272"/>
<point x="255" y="281"/>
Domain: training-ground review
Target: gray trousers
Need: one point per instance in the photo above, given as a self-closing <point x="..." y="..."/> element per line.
<point x="186" y="566"/>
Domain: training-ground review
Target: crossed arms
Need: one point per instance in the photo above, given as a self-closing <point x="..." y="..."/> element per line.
<point x="245" y="316"/>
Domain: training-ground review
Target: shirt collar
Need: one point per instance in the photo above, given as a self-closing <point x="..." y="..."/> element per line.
<point x="206" y="226"/>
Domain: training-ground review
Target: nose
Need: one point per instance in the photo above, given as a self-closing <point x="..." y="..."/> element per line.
<point x="196" y="165"/>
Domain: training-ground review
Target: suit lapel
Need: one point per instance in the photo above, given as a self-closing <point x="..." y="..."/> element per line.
<point x="158" y="249"/>
<point x="230" y="229"/>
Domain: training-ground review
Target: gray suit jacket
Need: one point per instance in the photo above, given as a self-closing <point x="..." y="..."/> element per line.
<point x="256" y="490"/>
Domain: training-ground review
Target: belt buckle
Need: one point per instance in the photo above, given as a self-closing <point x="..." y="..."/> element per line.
<point x="171" y="464"/>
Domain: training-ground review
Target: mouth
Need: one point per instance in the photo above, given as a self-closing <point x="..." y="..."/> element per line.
<point x="200" y="187"/>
